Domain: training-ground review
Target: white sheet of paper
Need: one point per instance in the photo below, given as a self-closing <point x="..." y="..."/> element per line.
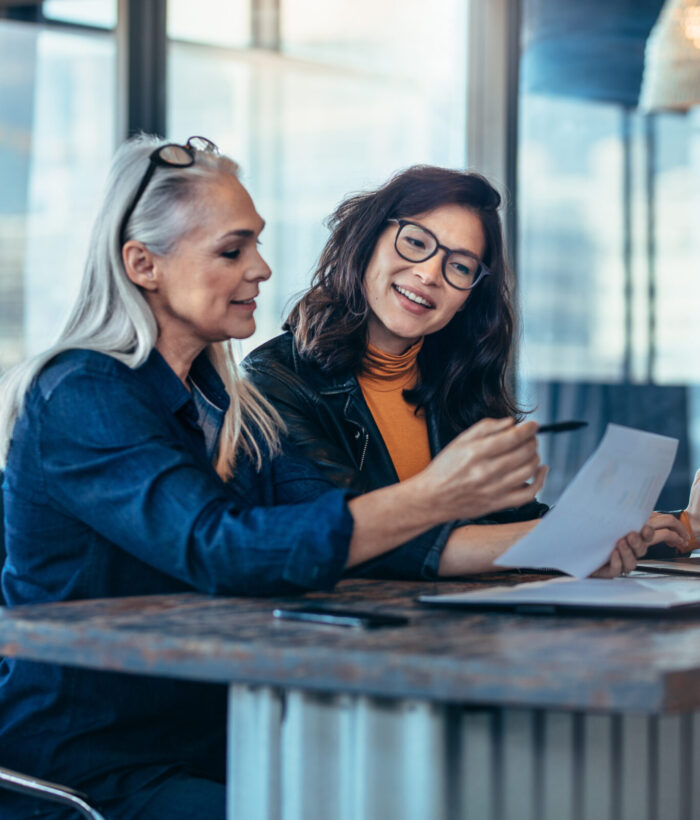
<point x="661" y="593"/>
<point x="612" y="494"/>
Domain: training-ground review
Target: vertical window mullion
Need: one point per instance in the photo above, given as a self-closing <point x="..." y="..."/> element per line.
<point x="626" y="141"/>
<point x="650" y="180"/>
<point x="141" y="66"/>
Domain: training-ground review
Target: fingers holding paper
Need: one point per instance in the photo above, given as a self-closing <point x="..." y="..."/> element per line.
<point x="660" y="528"/>
<point x="616" y="488"/>
<point x="628" y="550"/>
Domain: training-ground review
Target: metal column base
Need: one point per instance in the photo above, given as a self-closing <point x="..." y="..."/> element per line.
<point x="302" y="756"/>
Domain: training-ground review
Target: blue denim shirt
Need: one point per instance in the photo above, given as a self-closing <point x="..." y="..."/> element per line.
<point x="109" y="490"/>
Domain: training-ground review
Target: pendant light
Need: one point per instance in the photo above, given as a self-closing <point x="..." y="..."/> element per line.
<point x="671" y="79"/>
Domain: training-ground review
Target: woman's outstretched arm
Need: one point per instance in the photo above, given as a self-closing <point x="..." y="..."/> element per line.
<point x="473" y="548"/>
<point x="493" y="465"/>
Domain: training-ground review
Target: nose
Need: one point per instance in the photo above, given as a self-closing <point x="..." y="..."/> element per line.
<point x="259" y="270"/>
<point x="430" y="271"/>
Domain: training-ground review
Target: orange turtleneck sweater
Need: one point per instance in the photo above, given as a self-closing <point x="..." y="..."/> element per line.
<point x="383" y="379"/>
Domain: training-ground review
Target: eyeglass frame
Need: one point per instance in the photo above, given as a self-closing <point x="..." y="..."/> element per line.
<point x="482" y="271"/>
<point x="155" y="160"/>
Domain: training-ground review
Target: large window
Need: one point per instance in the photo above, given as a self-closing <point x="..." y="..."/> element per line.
<point x="571" y="266"/>
<point x="100" y="13"/>
<point x="57" y="135"/>
<point x="608" y="248"/>
<point x="674" y="163"/>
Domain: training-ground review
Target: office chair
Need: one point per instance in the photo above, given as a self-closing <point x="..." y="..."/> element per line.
<point x="33" y="786"/>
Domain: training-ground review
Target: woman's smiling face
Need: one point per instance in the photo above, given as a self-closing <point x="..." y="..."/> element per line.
<point x="409" y="300"/>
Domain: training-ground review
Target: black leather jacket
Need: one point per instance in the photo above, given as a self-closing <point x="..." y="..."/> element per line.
<point x="328" y="419"/>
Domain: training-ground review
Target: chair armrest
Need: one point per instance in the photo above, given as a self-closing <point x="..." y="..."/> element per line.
<point x="49" y="791"/>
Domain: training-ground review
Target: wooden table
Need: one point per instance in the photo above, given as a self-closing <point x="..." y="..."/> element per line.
<point x="485" y="716"/>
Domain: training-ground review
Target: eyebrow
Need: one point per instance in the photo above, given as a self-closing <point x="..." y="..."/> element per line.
<point x="451" y="250"/>
<point x="466" y="252"/>
<point x="245" y="233"/>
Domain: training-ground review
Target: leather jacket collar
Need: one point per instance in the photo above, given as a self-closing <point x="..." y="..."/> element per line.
<point x="331" y="409"/>
<point x="355" y="408"/>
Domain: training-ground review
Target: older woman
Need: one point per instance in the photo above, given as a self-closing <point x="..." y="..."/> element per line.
<point x="136" y="462"/>
<point x="402" y="342"/>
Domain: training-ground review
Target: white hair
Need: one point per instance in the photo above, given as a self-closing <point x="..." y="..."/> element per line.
<point x="111" y="314"/>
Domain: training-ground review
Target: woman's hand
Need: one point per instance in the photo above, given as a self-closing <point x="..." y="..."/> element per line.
<point x="628" y="550"/>
<point x="670" y="530"/>
<point x="491" y="466"/>
<point x="693" y="508"/>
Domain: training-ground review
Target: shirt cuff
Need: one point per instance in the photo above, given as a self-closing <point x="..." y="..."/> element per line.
<point x="431" y="564"/>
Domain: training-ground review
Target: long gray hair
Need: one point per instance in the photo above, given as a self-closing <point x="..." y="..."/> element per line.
<point x="111" y="314"/>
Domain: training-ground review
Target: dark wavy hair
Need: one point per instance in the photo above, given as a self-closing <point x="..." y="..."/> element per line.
<point x="463" y="367"/>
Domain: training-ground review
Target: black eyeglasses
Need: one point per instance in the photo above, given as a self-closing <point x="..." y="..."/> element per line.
<point x="174" y="155"/>
<point x="415" y="243"/>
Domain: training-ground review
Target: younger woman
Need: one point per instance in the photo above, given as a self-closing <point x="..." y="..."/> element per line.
<point x="402" y="342"/>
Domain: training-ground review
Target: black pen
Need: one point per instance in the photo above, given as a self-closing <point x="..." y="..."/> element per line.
<point x="561" y="426"/>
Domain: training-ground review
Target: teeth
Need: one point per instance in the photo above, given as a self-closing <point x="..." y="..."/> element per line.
<point x="412" y="296"/>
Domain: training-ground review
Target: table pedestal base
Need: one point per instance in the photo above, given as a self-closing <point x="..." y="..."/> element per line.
<point x="297" y="755"/>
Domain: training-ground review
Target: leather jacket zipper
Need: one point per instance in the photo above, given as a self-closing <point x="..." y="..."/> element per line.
<point x="364" y="446"/>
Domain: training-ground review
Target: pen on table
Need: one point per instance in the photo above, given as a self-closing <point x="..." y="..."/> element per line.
<point x="561" y="427"/>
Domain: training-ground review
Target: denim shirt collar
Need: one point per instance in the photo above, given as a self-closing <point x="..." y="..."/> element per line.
<point x="174" y="394"/>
